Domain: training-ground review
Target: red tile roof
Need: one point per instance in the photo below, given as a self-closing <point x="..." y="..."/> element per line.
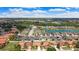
<point x="2" y="41"/>
<point x="46" y="43"/>
<point x="36" y="43"/>
<point x="21" y="43"/>
<point x="70" y="42"/>
<point x="28" y="43"/>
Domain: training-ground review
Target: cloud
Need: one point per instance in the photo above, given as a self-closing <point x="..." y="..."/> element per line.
<point x="57" y="10"/>
<point x="39" y="12"/>
<point x="20" y="12"/>
<point x="67" y="15"/>
<point x="63" y="15"/>
<point x="16" y="12"/>
<point x="68" y="8"/>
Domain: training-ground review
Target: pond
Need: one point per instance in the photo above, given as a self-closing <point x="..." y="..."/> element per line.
<point x="64" y="30"/>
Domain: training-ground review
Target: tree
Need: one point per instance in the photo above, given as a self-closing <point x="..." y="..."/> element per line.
<point x="20" y="27"/>
<point x="12" y="37"/>
<point x="7" y="26"/>
<point x="51" y="49"/>
<point x="58" y="46"/>
<point x="17" y="47"/>
<point x="77" y="45"/>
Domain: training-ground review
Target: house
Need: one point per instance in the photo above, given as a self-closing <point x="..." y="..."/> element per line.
<point x="37" y="44"/>
<point x="70" y="43"/>
<point x="21" y="43"/>
<point x="14" y="29"/>
<point x="3" y="41"/>
<point x="7" y="35"/>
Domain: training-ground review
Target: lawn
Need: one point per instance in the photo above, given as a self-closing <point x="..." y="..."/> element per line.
<point x="66" y="48"/>
<point x="10" y="47"/>
<point x="76" y="49"/>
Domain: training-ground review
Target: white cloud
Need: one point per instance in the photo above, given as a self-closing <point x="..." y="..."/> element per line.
<point x="68" y="8"/>
<point x="57" y="10"/>
<point x="39" y="11"/>
<point x="67" y="15"/>
<point x="16" y="12"/>
<point x="63" y="15"/>
<point x="19" y="12"/>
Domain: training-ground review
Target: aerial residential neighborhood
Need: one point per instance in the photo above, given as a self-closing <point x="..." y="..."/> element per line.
<point x="39" y="29"/>
<point x="38" y="36"/>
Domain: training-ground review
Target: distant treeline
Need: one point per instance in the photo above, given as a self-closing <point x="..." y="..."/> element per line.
<point x="44" y="19"/>
<point x="8" y="23"/>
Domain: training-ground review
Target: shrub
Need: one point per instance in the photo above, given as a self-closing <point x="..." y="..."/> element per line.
<point x="12" y="37"/>
<point x="17" y="47"/>
<point x="51" y="49"/>
<point x="77" y="45"/>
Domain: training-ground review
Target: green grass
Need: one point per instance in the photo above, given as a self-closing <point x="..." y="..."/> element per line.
<point x="66" y="48"/>
<point x="76" y="49"/>
<point x="10" y="47"/>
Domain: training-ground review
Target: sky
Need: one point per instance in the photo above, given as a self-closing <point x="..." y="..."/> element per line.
<point x="39" y="12"/>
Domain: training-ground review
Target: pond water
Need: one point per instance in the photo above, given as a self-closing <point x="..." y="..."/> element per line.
<point x="64" y="30"/>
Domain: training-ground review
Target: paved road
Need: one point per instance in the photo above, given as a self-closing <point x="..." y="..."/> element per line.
<point x="32" y="31"/>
